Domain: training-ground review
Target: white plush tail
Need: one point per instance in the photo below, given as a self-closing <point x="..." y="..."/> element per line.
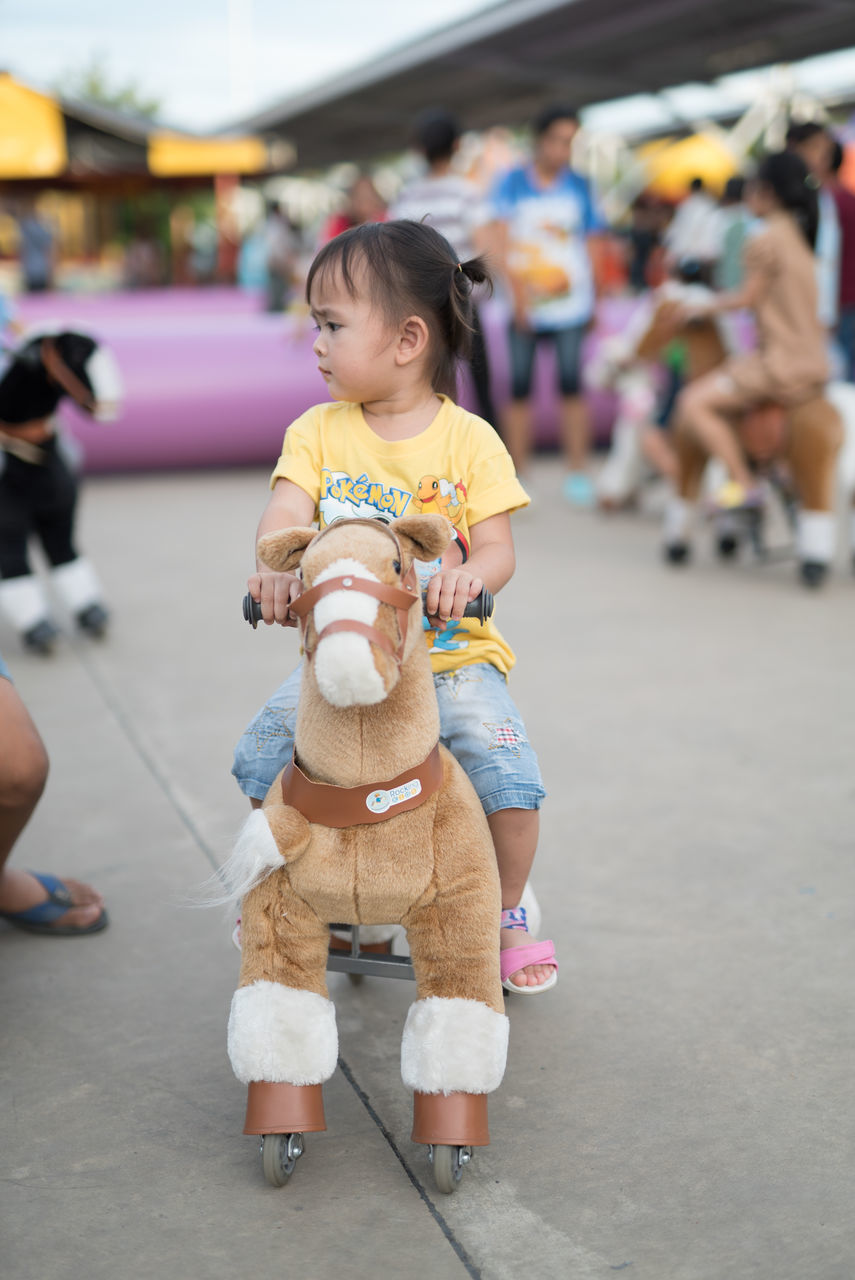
<point x="253" y="858"/>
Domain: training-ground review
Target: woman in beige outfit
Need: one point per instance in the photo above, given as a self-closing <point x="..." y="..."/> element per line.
<point x="788" y="367"/>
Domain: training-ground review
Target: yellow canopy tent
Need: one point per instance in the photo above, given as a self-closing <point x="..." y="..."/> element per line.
<point x="172" y="155"/>
<point x="32" y="132"/>
<point x="671" y="166"/>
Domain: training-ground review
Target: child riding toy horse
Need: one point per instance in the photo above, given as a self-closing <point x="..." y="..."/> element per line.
<point x="371" y="822"/>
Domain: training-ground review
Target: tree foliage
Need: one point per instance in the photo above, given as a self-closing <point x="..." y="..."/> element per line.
<point x="93" y="84"/>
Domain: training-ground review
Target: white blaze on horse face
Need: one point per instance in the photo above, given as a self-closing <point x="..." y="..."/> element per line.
<point x="106" y="383"/>
<point x="344" y="663"/>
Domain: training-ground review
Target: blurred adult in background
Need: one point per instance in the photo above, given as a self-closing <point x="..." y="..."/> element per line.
<point x="543" y="213"/>
<point x="788" y="366"/>
<point x="644" y="236"/>
<point x="813" y="144"/>
<point x="734" y="220"/>
<point x="457" y="209"/>
<point x="364" y="204"/>
<point x="144" y="264"/>
<point x="282" y="254"/>
<point x="693" y="232"/>
<point x="845" y="203"/>
<point x="36" y="251"/>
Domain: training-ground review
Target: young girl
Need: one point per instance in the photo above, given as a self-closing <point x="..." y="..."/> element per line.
<point x="391" y="304"/>
<point x="789" y="364"/>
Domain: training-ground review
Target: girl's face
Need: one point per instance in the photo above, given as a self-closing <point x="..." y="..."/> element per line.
<point x="760" y="199"/>
<point x="355" y="345"/>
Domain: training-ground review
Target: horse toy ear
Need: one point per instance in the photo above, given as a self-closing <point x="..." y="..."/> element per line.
<point x="423" y="537"/>
<point x="284" y="550"/>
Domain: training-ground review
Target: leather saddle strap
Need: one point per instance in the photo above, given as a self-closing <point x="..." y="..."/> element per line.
<point x="330" y="806"/>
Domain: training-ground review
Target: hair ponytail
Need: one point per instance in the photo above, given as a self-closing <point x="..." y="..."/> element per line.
<point x="410" y="269"/>
<point x="795" y="188"/>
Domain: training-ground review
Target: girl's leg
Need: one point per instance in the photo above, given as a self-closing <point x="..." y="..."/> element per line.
<point x="514" y="833"/>
<point x="266" y="745"/>
<point x="702" y="409"/>
<point x="23" y="773"/>
<point x="483" y="729"/>
<point x="659" y="452"/>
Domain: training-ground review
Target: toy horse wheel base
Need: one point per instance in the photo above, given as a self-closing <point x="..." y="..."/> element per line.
<point x="279" y="1155"/>
<point x="280" y="1114"/>
<point x="448" y="1165"/>
<point x="450" y="1125"/>
<point x="374" y="959"/>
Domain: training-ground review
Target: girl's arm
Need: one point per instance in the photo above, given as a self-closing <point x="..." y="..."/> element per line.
<point x="746" y="297"/>
<point x="289" y="505"/>
<point x="491" y="564"/>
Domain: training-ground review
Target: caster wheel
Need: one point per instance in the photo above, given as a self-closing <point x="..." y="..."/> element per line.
<point x="41" y="638"/>
<point x="812" y="573"/>
<point x="279" y="1155"/>
<point x="676" y="552"/>
<point x="448" y="1164"/>
<point x="93" y="620"/>
<point x="727" y="546"/>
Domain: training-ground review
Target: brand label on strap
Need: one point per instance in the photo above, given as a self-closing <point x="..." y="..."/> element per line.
<point x="381" y="801"/>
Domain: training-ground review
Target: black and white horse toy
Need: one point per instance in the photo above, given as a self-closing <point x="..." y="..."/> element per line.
<point x="38" y="478"/>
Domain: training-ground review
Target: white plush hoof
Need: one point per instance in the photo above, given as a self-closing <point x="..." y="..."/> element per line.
<point x="282" y="1035"/>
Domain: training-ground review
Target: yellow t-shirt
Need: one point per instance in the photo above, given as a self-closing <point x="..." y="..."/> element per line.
<point x="457" y="466"/>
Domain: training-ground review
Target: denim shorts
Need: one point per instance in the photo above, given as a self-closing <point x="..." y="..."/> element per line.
<point x="568" y="350"/>
<point x="4" y="670"/>
<point x="479" y="724"/>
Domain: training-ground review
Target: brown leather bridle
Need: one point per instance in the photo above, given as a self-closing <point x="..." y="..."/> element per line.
<point x="401" y="598"/>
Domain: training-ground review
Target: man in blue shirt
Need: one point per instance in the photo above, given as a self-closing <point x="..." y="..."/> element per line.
<point x="543" y="214"/>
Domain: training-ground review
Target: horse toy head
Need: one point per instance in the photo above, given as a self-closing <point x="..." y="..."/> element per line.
<point x="360" y="610"/>
<point x="47" y="365"/>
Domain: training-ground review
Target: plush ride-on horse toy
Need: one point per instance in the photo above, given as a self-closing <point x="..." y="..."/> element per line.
<point x="806" y="438"/>
<point x="38" y="484"/>
<point x="371" y="822"/>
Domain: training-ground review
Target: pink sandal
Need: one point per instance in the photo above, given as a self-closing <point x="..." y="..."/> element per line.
<point x="512" y="959"/>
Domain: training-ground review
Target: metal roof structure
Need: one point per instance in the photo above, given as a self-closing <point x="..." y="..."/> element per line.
<point x="502" y="64"/>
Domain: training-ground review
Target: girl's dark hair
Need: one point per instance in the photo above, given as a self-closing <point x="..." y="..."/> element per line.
<point x="794" y="187"/>
<point x="409" y="269"/>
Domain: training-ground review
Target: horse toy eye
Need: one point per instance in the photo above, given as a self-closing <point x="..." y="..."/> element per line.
<point x="396" y="565"/>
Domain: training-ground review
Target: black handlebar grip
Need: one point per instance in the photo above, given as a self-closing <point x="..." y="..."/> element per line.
<point x="481" y="608"/>
<point x="251" y="610"/>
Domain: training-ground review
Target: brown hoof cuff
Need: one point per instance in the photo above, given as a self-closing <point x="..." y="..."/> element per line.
<point x="451" y="1119"/>
<point x="284" y="1108"/>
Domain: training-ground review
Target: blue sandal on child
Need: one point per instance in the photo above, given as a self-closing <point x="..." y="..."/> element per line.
<point x="512" y="959"/>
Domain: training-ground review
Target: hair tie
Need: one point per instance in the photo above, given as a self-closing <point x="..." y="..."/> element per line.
<point x="459" y="266"/>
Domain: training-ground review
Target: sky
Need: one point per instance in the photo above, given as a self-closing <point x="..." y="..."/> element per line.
<point x="209" y="61"/>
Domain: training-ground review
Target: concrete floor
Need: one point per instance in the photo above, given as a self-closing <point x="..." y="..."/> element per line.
<point x="679" y="1108"/>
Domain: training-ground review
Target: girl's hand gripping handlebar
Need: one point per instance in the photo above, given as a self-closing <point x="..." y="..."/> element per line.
<point x="481" y="608"/>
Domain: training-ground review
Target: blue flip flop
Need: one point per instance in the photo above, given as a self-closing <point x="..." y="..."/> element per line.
<point x="38" y="919"/>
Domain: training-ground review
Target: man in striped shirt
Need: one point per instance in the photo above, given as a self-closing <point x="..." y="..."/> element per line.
<point x="456" y="209"/>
